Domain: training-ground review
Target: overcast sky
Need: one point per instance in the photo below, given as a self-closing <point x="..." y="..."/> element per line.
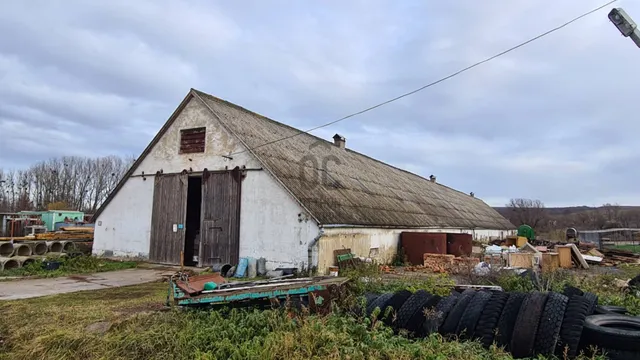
<point x="555" y="120"/>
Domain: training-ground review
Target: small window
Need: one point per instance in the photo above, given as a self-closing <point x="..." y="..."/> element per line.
<point x="192" y="140"/>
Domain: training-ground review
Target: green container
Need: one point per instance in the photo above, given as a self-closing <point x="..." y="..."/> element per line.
<point x="51" y="217"/>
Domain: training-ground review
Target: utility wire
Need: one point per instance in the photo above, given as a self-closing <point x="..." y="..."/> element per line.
<point x="437" y="81"/>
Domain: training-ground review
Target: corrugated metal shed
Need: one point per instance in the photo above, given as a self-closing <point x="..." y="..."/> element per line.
<point x="341" y="186"/>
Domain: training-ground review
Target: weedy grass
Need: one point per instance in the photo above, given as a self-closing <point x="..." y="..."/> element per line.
<point x="56" y="327"/>
<point x="69" y="265"/>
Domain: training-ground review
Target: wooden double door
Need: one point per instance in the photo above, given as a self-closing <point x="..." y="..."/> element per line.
<point x="219" y="240"/>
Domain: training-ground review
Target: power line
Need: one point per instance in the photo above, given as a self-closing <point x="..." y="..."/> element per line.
<point x="437" y="81"/>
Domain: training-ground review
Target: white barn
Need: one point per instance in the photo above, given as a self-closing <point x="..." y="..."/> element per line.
<point x="219" y="182"/>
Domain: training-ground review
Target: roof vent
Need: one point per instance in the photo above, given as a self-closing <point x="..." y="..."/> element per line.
<point x="432" y="178"/>
<point x="339" y="141"/>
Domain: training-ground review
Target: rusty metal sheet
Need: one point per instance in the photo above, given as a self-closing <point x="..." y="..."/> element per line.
<point x="220" y="229"/>
<point x="195" y="284"/>
<point x="416" y="244"/>
<point x="459" y="244"/>
<point x="169" y="210"/>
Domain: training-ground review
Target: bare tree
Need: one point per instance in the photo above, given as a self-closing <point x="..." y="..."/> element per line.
<point x="80" y="183"/>
<point x="527" y="211"/>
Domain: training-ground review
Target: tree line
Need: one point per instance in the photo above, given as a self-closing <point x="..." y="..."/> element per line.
<point x="70" y="182"/>
<point x="533" y="213"/>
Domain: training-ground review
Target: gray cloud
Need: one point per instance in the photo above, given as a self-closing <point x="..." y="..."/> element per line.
<point x="553" y="120"/>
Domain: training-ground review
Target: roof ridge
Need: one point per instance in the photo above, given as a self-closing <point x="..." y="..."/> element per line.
<point x="228" y="103"/>
<point x="327" y="141"/>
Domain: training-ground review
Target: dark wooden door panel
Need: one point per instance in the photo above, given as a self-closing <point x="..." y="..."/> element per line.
<point x="169" y="208"/>
<point x="220" y="240"/>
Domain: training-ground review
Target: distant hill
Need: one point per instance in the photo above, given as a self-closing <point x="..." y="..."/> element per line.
<point x="569" y="210"/>
<point x="580" y="217"/>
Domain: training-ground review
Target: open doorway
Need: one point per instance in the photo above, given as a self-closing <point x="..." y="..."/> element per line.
<point x="192" y="231"/>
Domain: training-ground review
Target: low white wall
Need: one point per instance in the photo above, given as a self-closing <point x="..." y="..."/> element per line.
<point x="380" y="244"/>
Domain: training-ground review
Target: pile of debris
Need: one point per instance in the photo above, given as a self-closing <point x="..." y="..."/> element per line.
<point x="614" y="257"/>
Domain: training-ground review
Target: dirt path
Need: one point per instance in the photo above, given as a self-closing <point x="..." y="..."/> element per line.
<point x="30" y="288"/>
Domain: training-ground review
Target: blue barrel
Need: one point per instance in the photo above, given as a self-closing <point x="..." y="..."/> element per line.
<point x="241" y="270"/>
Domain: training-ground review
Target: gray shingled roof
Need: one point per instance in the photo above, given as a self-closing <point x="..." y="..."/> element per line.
<point x="356" y="189"/>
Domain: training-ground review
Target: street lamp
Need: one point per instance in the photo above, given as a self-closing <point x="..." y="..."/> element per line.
<point x="625" y="24"/>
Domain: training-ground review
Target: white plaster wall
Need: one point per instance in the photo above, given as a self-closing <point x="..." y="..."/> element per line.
<point x="269" y="219"/>
<point x="384" y="240"/>
<point x="165" y="154"/>
<point x="123" y="228"/>
<point x="272" y="224"/>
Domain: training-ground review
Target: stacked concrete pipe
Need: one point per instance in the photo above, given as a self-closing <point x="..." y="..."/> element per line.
<point x="55" y="246"/>
<point x="25" y="260"/>
<point x="9" y="264"/>
<point x="68" y="246"/>
<point x="22" y="250"/>
<point x="6" y="249"/>
<point x="39" y="248"/>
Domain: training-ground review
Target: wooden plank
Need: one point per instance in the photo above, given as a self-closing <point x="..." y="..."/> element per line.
<point x="564" y="256"/>
<point x="550" y="262"/>
<point x="522" y="260"/>
<point x="169" y="209"/>
<point x="577" y="256"/>
<point x="220" y="240"/>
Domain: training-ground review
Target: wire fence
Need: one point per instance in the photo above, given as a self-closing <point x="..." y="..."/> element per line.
<point x="620" y="237"/>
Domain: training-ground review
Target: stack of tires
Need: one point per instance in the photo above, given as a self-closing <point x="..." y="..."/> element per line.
<point x="526" y="324"/>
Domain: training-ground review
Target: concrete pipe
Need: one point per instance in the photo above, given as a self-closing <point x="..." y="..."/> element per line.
<point x="55" y="246"/>
<point x="27" y="261"/>
<point x="6" y="249"/>
<point x="21" y="250"/>
<point x="39" y="248"/>
<point x="68" y="246"/>
<point x="9" y="263"/>
<point x="24" y="260"/>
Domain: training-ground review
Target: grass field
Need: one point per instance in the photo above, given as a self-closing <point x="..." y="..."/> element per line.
<point x="55" y="327"/>
<point x="632" y="248"/>
<point x="136" y="325"/>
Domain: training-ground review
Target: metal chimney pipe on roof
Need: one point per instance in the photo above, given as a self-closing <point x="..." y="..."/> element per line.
<point x="339" y="141"/>
<point x="432" y="178"/>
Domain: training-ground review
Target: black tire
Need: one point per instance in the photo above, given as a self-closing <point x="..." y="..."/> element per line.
<point x="621" y="354"/>
<point x="614" y="332"/>
<point x="363" y="302"/>
<point x="488" y="323"/>
<point x="414" y="303"/>
<point x="508" y="318"/>
<point x="550" y="324"/>
<point x="380" y="302"/>
<point x="593" y="298"/>
<point x="605" y="309"/>
<point x="396" y="302"/>
<point x="569" y="291"/>
<point x="524" y="335"/>
<point x="435" y="319"/>
<point x="370" y="297"/>
<point x="572" y="325"/>
<point x="453" y="318"/>
<point x="634" y="283"/>
<point x="417" y="320"/>
<point x="467" y="325"/>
